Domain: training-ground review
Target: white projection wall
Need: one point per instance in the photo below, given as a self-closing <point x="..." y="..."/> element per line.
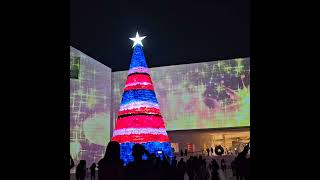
<point x="90" y="107"/>
<point x="204" y="95"/>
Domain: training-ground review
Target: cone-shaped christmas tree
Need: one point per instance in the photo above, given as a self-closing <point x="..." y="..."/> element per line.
<point x="139" y="118"/>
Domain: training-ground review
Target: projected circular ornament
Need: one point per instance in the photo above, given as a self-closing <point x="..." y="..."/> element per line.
<point x="219" y="150"/>
<point x="96" y="129"/>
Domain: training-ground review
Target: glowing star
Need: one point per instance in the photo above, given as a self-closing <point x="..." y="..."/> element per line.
<point x="137" y="39"/>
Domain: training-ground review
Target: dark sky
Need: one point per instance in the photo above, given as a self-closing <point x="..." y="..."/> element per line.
<point x="178" y="32"/>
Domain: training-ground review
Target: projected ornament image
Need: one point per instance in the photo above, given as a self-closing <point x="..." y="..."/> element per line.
<point x="96" y="129"/>
<point x="139" y="118"/>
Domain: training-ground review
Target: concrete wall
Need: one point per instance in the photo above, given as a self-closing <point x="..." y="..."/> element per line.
<point x="90" y="107"/>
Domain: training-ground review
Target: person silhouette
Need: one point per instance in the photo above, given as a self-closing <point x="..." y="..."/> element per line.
<point x="181" y="169"/>
<point x="247" y="174"/>
<point x="197" y="164"/>
<point x="139" y="169"/>
<point x="190" y="168"/>
<point x="211" y="151"/>
<point x="93" y="171"/>
<point x="243" y="164"/>
<point x="165" y="174"/>
<point x="208" y="151"/>
<point x="181" y="153"/>
<point x="173" y="168"/>
<point x="174" y="162"/>
<point x="111" y="166"/>
<point x="233" y="167"/>
<point x="78" y="170"/>
<point x="202" y="171"/>
<point x="215" y="170"/>
<point x="81" y="170"/>
<point x="236" y="165"/>
<point x="186" y="152"/>
<point x="223" y="165"/>
<point x="157" y="169"/>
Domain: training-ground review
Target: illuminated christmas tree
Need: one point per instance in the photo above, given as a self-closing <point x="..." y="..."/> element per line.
<point x="139" y="118"/>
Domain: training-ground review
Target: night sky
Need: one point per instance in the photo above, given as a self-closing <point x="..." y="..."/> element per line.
<point x="178" y="32"/>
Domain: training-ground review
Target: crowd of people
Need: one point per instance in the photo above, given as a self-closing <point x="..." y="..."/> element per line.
<point x="185" y="152"/>
<point x="194" y="168"/>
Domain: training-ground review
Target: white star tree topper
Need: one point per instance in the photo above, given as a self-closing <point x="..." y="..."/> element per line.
<point x="137" y="40"/>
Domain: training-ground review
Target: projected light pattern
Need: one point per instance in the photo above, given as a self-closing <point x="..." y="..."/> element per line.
<point x="198" y="96"/>
<point x="89" y="109"/>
